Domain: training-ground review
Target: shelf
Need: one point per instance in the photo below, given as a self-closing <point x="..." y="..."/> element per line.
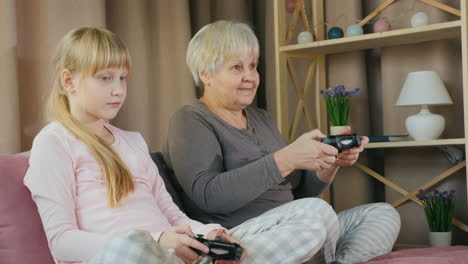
<point x="446" y="30"/>
<point x="315" y="75"/>
<point x="399" y="144"/>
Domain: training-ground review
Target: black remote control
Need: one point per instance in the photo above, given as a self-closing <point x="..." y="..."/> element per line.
<point x="220" y="250"/>
<point x="342" y="142"/>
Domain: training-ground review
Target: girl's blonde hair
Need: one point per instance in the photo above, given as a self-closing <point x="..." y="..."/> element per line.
<point x="217" y="41"/>
<point x="88" y="50"/>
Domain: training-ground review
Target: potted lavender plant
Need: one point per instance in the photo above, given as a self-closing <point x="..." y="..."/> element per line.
<point x="439" y="208"/>
<point x="337" y="101"/>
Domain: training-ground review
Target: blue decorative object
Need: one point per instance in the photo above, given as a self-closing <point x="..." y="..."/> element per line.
<point x="335" y="32"/>
<point x="354" y="30"/>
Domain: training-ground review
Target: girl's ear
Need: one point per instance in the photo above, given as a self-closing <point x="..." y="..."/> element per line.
<point x="66" y="78"/>
<point x="205" y="78"/>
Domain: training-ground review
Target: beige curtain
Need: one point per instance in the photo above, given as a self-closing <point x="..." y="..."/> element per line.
<point x="205" y="11"/>
<point x="10" y="136"/>
<point x="157" y="34"/>
<point x="155" y="31"/>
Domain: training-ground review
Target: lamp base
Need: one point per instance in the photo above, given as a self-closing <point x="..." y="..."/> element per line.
<point x="425" y="125"/>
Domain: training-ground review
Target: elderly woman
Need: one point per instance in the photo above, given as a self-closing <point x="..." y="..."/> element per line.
<point x="236" y="169"/>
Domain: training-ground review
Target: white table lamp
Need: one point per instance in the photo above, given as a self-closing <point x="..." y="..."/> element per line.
<point x="424" y="88"/>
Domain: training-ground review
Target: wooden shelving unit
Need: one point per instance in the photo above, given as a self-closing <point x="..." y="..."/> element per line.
<point x="447" y="30"/>
<point x="316" y="52"/>
<point x="422" y="143"/>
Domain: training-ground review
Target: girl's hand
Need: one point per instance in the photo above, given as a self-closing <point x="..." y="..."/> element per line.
<point x="178" y="238"/>
<point x="225" y="237"/>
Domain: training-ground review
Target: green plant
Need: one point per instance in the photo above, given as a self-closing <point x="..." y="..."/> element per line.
<point x="439" y="208"/>
<point x="337" y="101"/>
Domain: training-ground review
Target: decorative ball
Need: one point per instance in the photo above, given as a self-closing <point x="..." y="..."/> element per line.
<point x="419" y="19"/>
<point x="305" y="37"/>
<point x="290" y="5"/>
<point x="354" y="30"/>
<point x="335" y="32"/>
<point x="382" y="25"/>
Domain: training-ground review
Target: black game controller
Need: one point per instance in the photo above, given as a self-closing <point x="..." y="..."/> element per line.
<point x="219" y="250"/>
<point x="342" y="142"/>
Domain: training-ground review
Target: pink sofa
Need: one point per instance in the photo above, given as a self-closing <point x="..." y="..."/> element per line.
<point x="441" y="255"/>
<point x="22" y="238"/>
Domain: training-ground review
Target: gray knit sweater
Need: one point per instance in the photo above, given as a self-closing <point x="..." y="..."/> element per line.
<point x="228" y="175"/>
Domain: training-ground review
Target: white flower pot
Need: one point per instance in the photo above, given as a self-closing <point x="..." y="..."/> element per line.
<point x="334" y="130"/>
<point x="440" y="239"/>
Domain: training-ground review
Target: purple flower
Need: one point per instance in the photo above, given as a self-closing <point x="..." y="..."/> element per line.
<point x="421" y="195"/>
<point x="356" y="91"/>
<point x="339" y="89"/>
<point x="337" y="101"/>
<point x="439" y="207"/>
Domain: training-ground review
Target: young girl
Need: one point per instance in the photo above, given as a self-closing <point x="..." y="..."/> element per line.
<point x="94" y="184"/>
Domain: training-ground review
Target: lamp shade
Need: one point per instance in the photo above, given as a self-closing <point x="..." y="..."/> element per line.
<point x="423" y="88"/>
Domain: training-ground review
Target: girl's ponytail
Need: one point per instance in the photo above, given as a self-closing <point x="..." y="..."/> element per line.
<point x="88" y="50"/>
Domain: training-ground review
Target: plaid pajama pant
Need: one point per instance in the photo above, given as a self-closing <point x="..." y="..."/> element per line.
<point x="134" y="247"/>
<point x="309" y="231"/>
<point x="302" y="231"/>
<point x="292" y="233"/>
<point x="367" y="231"/>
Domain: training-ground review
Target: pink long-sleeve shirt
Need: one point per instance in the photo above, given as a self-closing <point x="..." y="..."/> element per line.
<point x="66" y="183"/>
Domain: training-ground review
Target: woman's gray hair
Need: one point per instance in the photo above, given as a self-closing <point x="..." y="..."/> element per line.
<point x="217" y="41"/>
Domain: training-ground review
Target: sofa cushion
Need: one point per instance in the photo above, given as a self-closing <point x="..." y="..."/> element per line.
<point x="453" y="254"/>
<point x="169" y="179"/>
<point x="22" y="237"/>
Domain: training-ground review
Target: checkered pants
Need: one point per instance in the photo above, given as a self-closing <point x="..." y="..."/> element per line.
<point x="367" y="231"/>
<point x="134" y="247"/>
<point x="292" y="233"/>
<point x="305" y="230"/>
<point x="308" y="230"/>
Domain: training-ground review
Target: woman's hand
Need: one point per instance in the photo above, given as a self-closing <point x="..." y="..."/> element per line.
<point x="225" y="237"/>
<point x="346" y="158"/>
<point x="178" y="238"/>
<point x="306" y="153"/>
<point x="349" y="156"/>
